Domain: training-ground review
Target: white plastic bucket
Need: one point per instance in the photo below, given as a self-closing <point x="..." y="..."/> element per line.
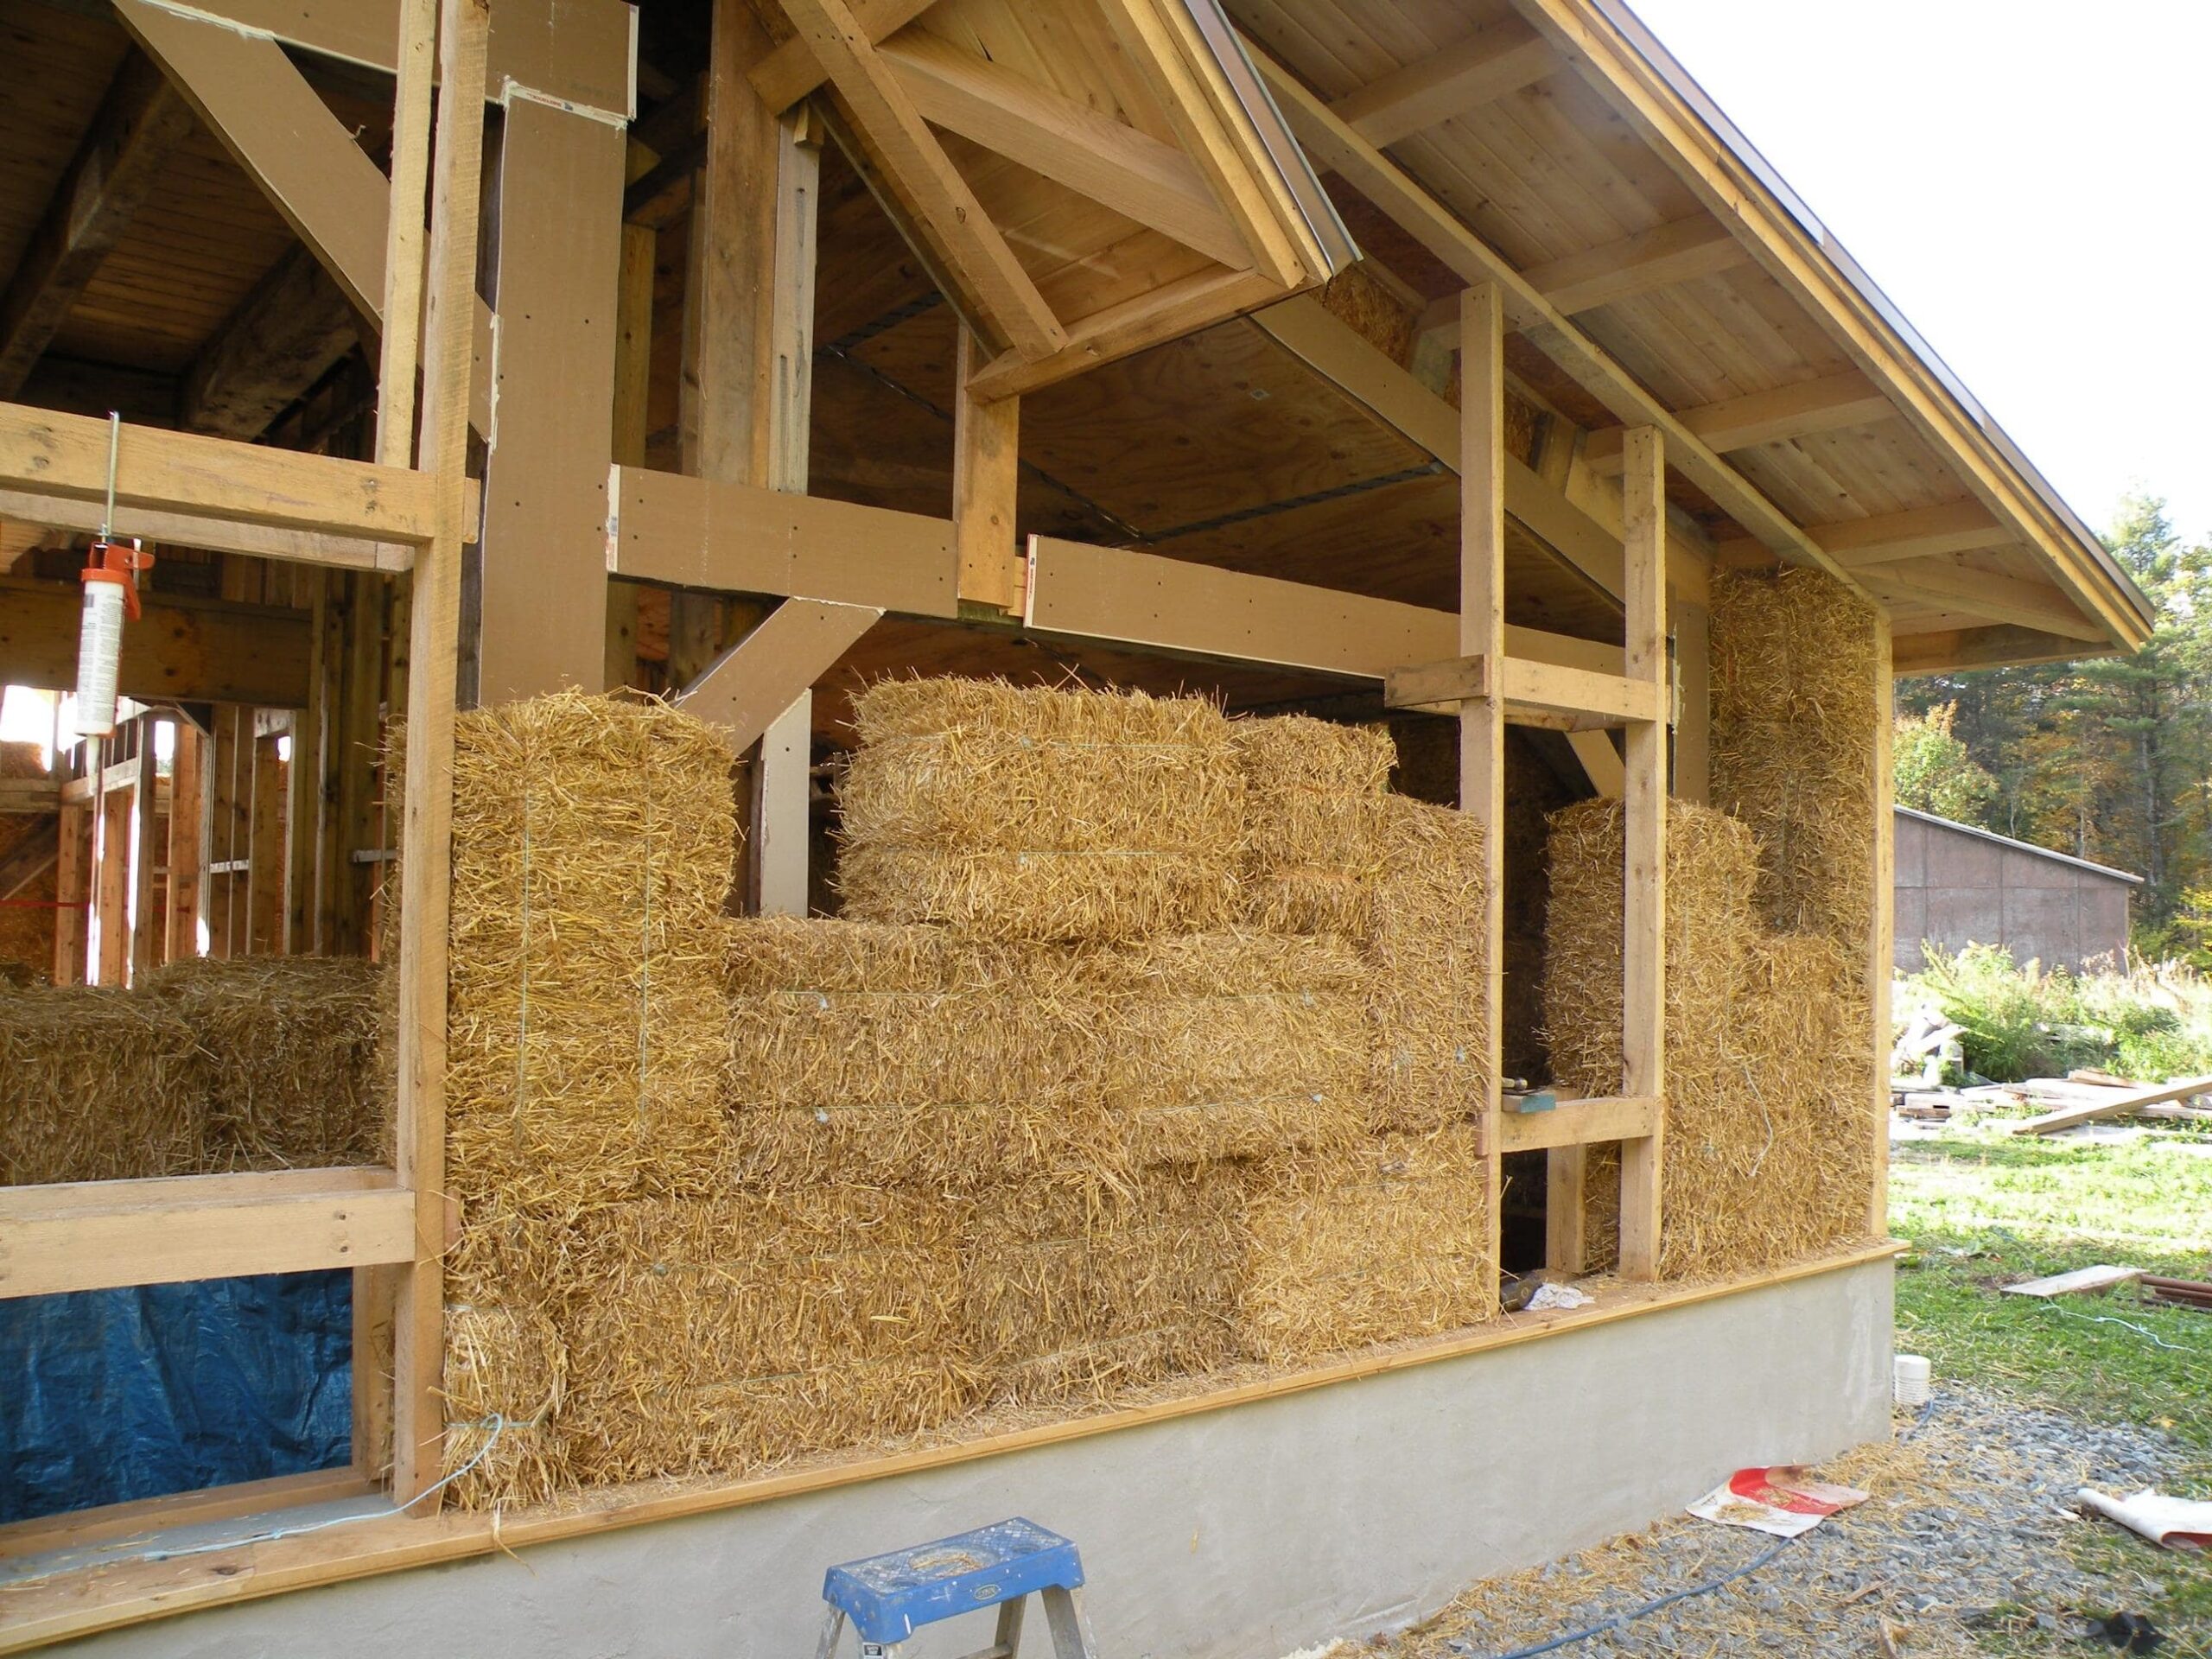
<point x="1909" y="1380"/>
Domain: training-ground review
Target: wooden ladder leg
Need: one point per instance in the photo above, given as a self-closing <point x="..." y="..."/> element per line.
<point x="1070" y="1629"/>
<point x="1009" y="1631"/>
<point x="833" y="1624"/>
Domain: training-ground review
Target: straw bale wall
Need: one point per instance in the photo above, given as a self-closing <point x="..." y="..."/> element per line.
<point x="98" y="1084"/>
<point x="1769" y="1156"/>
<point x="1007" y="1150"/>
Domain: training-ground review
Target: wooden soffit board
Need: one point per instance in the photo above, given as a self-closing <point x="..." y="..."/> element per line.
<point x="1081" y="178"/>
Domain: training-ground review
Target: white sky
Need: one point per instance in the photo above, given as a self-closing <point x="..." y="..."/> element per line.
<point x="2030" y="181"/>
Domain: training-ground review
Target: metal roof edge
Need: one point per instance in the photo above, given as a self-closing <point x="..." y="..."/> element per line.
<point x="2020" y="846"/>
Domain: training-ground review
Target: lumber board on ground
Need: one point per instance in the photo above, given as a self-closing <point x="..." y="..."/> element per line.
<point x="2117" y="1102"/>
<point x="2080" y="1281"/>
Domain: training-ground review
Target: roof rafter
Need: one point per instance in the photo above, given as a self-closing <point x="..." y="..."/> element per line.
<point x="1986" y="592"/>
<point x="1666" y="254"/>
<point x="914" y="167"/>
<point x="1826" y="404"/>
<point x="1497" y="58"/>
<point x="140" y="122"/>
<point x="791" y="70"/>
<point x="1421" y="216"/>
<point x="1111" y="162"/>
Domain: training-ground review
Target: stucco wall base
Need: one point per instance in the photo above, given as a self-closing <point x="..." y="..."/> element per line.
<point x="1240" y="1534"/>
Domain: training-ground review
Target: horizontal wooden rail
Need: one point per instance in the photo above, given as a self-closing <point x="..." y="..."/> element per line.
<point x="1579" y="1124"/>
<point x="100" y="1235"/>
<point x="66" y="456"/>
<point x="1562" y="695"/>
<point x="692" y="532"/>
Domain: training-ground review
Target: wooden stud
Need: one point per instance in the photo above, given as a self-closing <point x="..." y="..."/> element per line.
<point x="1482" y="633"/>
<point x="986" y="479"/>
<point x="781" y="795"/>
<point x="112" y="877"/>
<point x="72" y="858"/>
<point x="426" y="842"/>
<point x="1694" y="699"/>
<point x="187" y="839"/>
<point x="307" y="803"/>
<point x="1881" y="933"/>
<point x="265" y="848"/>
<point x="634" y="325"/>
<point x="144" y="804"/>
<point x="544" y="621"/>
<point x="1643" y="900"/>
<point x="400" y="355"/>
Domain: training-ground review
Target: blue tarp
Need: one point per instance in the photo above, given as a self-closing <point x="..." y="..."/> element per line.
<point x="111" y="1395"/>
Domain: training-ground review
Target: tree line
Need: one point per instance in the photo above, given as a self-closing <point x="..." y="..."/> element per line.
<point x="2108" y="759"/>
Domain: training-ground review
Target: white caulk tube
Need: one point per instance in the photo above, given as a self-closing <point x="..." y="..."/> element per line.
<point x="99" y="649"/>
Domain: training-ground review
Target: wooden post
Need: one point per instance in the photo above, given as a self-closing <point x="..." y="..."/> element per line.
<point x="111" y="865"/>
<point x="1693" y="719"/>
<point x="781" y="801"/>
<point x="543" y="622"/>
<point x="73" y="857"/>
<point x="633" y="343"/>
<point x="227" y="839"/>
<point x="304" y="877"/>
<point x="144" y="793"/>
<point x="1881" y="944"/>
<point x="986" y="475"/>
<point x="1482" y="633"/>
<point x="187" y="839"/>
<point x="1644" y="896"/>
<point x="266" y="848"/>
<point x="418" y="1326"/>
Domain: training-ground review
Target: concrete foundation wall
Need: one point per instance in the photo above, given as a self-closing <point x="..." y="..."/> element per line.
<point x="1239" y="1534"/>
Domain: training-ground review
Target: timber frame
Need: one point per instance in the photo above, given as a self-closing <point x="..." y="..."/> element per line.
<point x="521" y="505"/>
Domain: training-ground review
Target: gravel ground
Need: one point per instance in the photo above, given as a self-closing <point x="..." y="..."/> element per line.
<point x="1965" y="1537"/>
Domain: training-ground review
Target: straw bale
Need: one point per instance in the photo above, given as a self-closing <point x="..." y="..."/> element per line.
<point x="1220" y="1045"/>
<point x="727" y="1335"/>
<point x="904" y="1056"/>
<point x="299" y="1074"/>
<point x="506" y="1373"/>
<point x="587" y="1038"/>
<point x="1029" y="813"/>
<point x="1074" y="1290"/>
<point x="1360" y="300"/>
<point x="1768" y="1157"/>
<point x="1388" y="1241"/>
<point x="27" y="930"/>
<point x="98" y="1084"/>
<point x="1794" y="719"/>
<point x="1429" y="952"/>
<point x="1313" y="794"/>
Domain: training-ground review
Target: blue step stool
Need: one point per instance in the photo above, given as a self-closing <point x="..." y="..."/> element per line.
<point x="889" y="1597"/>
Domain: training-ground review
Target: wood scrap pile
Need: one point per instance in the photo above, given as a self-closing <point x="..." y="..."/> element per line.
<point x="2064" y="1103"/>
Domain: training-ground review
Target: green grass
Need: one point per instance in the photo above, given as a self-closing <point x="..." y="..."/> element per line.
<point x="1984" y="1212"/>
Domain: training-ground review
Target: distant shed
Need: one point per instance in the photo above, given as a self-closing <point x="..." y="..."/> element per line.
<point x="1957" y="886"/>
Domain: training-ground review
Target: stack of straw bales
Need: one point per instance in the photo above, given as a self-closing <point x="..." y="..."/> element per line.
<point x="1103" y="1080"/>
<point x="98" y="1084"/>
<point x="1767" y="1151"/>
<point x="1033" y="814"/>
<point x="297" y="1070"/>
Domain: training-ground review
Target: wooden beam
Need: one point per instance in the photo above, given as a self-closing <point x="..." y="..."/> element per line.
<point x="215" y="534"/>
<point x="1601" y="762"/>
<point x="140" y="122"/>
<point x="1097" y="156"/>
<point x="986" y="481"/>
<point x="692" y="532"/>
<point x="279" y="129"/>
<point x="1579" y="1124"/>
<point x="1953" y="586"/>
<point x="791" y="70"/>
<point x="1826" y="404"/>
<point x="1659" y="257"/>
<point x="1481" y="454"/>
<point x="180" y="650"/>
<point x="930" y="187"/>
<point x="750" y="684"/>
<point x="578" y="52"/>
<point x="1334" y="145"/>
<point x="543" y="624"/>
<point x="284" y="336"/>
<point x="1917" y="532"/>
<point x="65" y="455"/>
<point x="426" y="839"/>
<point x="1338" y="352"/>
<point x="1954" y="650"/>
<point x="99" y="1235"/>
<point x="1534" y="692"/>
<point x="1643" y="899"/>
<point x="1498" y="57"/>
<point x="1180" y="308"/>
